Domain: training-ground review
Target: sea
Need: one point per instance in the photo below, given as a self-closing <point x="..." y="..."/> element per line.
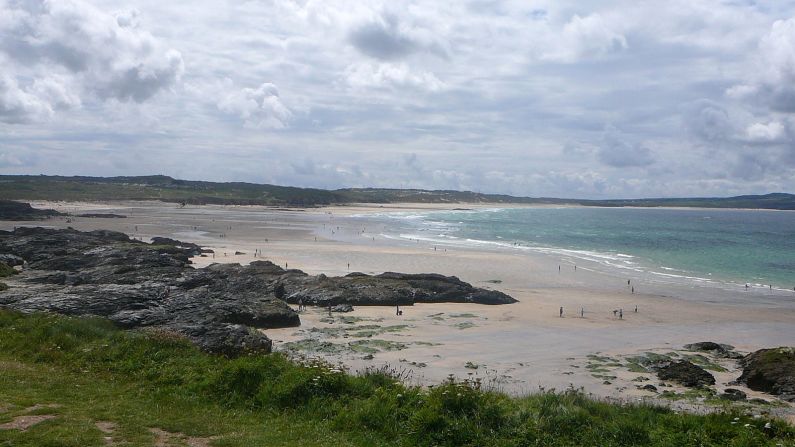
<point x="724" y="247"/>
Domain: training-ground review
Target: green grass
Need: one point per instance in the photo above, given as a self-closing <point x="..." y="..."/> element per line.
<point x="142" y="380"/>
<point x="6" y="270"/>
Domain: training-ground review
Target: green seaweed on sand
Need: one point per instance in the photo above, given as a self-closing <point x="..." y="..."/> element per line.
<point x="704" y="362"/>
<point x="372" y="346"/>
<point x="314" y="345"/>
<point x="465" y="325"/>
<point x="464" y="315"/>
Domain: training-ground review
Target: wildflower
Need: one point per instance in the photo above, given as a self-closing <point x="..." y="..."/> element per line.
<point x="747" y="425"/>
<point x="768" y="425"/>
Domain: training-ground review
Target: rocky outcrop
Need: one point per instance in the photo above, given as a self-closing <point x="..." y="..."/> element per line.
<point x="102" y="216"/>
<point x="771" y="371"/>
<point x="11" y="210"/>
<point x="685" y="373"/>
<point x="732" y="394"/>
<point x="387" y="289"/>
<point x="716" y="349"/>
<point x="140" y="285"/>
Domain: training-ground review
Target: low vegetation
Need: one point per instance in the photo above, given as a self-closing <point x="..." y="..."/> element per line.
<point x="161" y="187"/>
<point x="98" y="385"/>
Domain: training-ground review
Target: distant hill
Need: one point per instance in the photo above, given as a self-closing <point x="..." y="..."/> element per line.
<point x="167" y="189"/>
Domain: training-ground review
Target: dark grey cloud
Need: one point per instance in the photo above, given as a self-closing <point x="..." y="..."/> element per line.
<point x="55" y="53"/>
<point x="383" y="39"/>
<point x="619" y="151"/>
<point x="708" y="120"/>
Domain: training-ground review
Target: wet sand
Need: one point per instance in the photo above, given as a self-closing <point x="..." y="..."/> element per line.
<point x="516" y="348"/>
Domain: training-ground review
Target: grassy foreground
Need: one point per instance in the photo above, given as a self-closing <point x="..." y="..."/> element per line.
<point x="102" y="386"/>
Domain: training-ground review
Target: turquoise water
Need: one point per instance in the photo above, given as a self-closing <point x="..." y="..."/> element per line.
<point x="756" y="247"/>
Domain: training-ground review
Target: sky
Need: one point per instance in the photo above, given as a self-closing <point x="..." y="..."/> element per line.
<point x="586" y="99"/>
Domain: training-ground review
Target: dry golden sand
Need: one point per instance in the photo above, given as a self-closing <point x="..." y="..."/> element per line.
<point x="517" y="347"/>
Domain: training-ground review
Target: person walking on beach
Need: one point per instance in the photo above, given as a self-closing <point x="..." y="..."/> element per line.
<point x="582" y="312"/>
<point x="561" y="311"/>
<point x="620" y="314"/>
<point x="300" y="305"/>
<point x="633" y="289"/>
<point x="636" y="308"/>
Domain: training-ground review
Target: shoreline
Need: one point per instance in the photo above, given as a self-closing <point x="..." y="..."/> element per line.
<point x="526" y="342"/>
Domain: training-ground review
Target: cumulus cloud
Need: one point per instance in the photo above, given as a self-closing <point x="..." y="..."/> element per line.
<point x="584" y="37"/>
<point x="773" y="131"/>
<point x="772" y="80"/>
<point x="258" y="107"/>
<point x="618" y="151"/>
<point x="392" y="75"/>
<point x="57" y="52"/>
<point x="18" y="105"/>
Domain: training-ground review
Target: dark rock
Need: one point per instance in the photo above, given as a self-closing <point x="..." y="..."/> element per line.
<point x="771" y="371"/>
<point x="342" y="308"/>
<point x="717" y="349"/>
<point x="649" y="387"/>
<point x="386" y="289"/>
<point x="138" y="285"/>
<point x="11" y="260"/>
<point x="11" y="210"/>
<point x="102" y="216"/>
<point x="193" y="249"/>
<point x="684" y="372"/>
<point x="733" y="394"/>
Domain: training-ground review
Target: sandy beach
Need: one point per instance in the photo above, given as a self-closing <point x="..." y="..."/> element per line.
<point x="517" y="348"/>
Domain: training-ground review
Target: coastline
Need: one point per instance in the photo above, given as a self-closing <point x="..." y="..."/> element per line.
<point x="522" y="346"/>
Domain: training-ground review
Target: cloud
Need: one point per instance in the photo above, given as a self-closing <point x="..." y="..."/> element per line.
<point x="708" y="121"/>
<point x="391" y="75"/>
<point x="258" y="107"/>
<point x="766" y="133"/>
<point x="388" y="37"/>
<point x="18" y="105"/>
<point x="584" y="37"/>
<point x="491" y="95"/>
<point x="617" y="151"/>
<point x="61" y="51"/>
<point x="382" y="39"/>
<point x="772" y="80"/>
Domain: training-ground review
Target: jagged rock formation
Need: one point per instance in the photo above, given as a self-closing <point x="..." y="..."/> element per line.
<point x="770" y="370"/>
<point x="138" y="285"/>
<point x="685" y="373"/>
<point x="387" y="289"/>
